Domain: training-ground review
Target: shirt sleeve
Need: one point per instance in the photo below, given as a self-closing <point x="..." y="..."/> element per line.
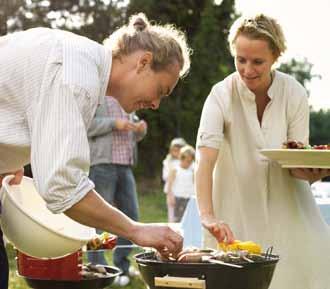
<point x="211" y="127"/>
<point x="165" y="170"/>
<point x="59" y="145"/>
<point x="298" y="116"/>
<point x="100" y="126"/>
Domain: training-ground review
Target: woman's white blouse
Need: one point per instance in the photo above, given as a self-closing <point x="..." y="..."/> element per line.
<point x="51" y="82"/>
<point x="259" y="200"/>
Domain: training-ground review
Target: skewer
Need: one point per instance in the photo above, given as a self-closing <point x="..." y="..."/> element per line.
<point x="210" y="260"/>
<point x="269" y="252"/>
<point x="117" y="247"/>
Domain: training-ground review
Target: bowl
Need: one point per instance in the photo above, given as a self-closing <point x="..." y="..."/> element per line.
<point x="32" y="228"/>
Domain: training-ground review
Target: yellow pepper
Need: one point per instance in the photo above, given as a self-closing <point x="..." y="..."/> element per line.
<point x="249" y="246"/>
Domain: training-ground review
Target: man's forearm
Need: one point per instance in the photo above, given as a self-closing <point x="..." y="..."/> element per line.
<point x="93" y="211"/>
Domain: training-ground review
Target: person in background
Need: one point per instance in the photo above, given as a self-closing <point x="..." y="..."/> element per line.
<point x="180" y="186"/>
<point x="171" y="161"/>
<point x="238" y="188"/>
<point x="113" y="136"/>
<point x="51" y="82"/>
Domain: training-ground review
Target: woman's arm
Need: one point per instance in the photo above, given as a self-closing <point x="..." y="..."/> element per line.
<point x="205" y="164"/>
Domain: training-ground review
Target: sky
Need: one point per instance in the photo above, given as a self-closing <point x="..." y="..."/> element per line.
<point x="306" y="26"/>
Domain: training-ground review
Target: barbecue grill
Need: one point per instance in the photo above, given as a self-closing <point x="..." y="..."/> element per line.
<point x="160" y="274"/>
<point x="60" y="273"/>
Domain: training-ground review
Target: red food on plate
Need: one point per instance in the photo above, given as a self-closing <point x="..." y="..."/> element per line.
<point x="293" y="144"/>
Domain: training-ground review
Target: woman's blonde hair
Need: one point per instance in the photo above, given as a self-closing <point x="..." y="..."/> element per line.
<point x="185" y="151"/>
<point x="259" y="26"/>
<point x="167" y="44"/>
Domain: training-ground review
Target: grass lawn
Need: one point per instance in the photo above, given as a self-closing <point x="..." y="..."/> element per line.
<point x="152" y="209"/>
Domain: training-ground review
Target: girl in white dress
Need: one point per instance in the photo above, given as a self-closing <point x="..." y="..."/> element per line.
<point x="180" y="185"/>
<point x="170" y="162"/>
<point x="255" y="108"/>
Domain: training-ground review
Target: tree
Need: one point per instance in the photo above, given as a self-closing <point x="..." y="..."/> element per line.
<point x="320" y="127"/>
<point x="7" y="9"/>
<point x="301" y="70"/>
<point x="95" y="19"/>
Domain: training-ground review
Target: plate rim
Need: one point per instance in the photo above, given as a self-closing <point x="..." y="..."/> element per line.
<point x="294" y="150"/>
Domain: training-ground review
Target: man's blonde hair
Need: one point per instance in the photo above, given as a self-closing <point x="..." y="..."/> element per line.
<point x="167" y="44"/>
<point x="259" y="26"/>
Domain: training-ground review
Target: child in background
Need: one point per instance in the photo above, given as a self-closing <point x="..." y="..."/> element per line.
<point x="171" y="161"/>
<point x="181" y="182"/>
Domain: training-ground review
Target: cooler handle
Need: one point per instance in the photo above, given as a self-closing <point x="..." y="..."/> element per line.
<point x="180" y="282"/>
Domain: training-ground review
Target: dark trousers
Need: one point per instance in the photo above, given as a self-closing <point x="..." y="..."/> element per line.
<point x="116" y="184"/>
<point x="179" y="208"/>
<point x="4" y="267"/>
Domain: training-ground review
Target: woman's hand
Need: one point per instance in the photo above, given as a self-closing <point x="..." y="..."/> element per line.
<point x="16" y="180"/>
<point x="311" y="175"/>
<point x="218" y="229"/>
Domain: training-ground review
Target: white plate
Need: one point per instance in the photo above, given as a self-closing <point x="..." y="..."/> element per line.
<point x="295" y="158"/>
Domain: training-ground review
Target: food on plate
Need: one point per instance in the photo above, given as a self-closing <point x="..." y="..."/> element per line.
<point x="293" y="144"/>
<point x="103" y="241"/>
<point x="238" y="245"/>
<point x="236" y="253"/>
<point x="193" y="255"/>
<point x="90" y="271"/>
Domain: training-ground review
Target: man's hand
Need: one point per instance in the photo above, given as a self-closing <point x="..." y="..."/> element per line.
<point x="158" y="236"/>
<point x="311" y="175"/>
<point x="124" y="124"/>
<point x="16" y="180"/>
<point x="219" y="230"/>
<point x="141" y="126"/>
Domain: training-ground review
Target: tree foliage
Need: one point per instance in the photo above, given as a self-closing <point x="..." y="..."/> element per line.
<point x="8" y="8"/>
<point x="301" y="70"/>
<point x="320" y="127"/>
<point x="95" y="19"/>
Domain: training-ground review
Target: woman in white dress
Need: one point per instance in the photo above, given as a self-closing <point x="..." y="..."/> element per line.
<point x="255" y="108"/>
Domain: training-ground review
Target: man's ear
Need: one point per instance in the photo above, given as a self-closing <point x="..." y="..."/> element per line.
<point x="144" y="61"/>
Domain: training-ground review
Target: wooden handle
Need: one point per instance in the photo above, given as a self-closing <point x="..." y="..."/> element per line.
<point x="180" y="282"/>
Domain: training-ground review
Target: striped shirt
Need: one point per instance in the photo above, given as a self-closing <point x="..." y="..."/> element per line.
<point x="51" y="82"/>
<point x="122" y="140"/>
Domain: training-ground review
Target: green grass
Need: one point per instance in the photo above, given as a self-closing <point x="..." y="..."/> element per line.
<point x="152" y="209"/>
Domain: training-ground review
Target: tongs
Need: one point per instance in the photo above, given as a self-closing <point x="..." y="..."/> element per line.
<point x="210" y="259"/>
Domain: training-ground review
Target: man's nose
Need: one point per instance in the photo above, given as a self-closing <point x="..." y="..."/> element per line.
<point x="155" y="104"/>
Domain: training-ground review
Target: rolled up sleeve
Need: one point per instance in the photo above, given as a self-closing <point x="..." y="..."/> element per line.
<point x="211" y="132"/>
<point x="59" y="149"/>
